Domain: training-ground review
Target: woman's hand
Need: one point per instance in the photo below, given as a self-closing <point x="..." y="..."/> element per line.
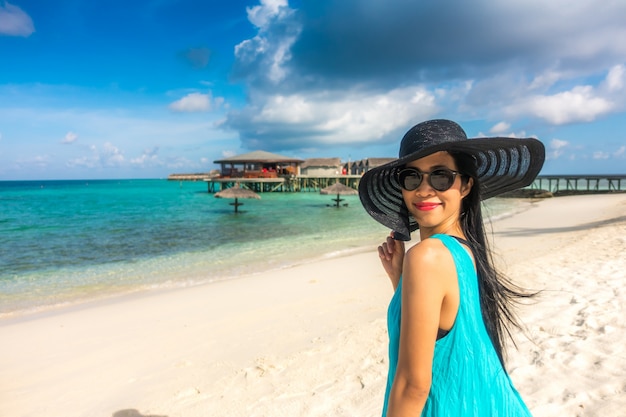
<point x="391" y="254"/>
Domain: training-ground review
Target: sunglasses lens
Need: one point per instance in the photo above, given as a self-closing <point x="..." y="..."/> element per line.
<point x="410" y="179"/>
<point x="441" y="179"/>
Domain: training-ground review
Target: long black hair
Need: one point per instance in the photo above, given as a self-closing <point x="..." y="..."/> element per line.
<point x="498" y="295"/>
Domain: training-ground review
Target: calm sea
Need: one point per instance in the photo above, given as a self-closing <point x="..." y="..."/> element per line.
<point x="66" y="241"/>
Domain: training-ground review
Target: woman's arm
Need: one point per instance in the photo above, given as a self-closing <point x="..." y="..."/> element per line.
<point x="428" y="271"/>
<point x="391" y="253"/>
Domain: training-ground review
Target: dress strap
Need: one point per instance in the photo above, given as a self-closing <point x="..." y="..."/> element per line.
<point x="463" y="241"/>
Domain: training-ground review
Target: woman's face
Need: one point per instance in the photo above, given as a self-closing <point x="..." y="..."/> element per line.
<point x="436" y="211"/>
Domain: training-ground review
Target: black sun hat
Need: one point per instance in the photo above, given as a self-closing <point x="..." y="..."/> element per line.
<point x="503" y="164"/>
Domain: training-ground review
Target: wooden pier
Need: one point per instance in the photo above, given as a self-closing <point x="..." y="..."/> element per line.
<point x="580" y="184"/>
<point x="555" y="184"/>
<point x="301" y="183"/>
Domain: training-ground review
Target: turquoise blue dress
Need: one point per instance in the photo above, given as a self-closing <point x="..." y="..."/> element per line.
<point x="468" y="379"/>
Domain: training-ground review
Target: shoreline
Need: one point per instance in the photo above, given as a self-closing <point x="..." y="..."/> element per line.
<point x="109" y="295"/>
<point x="179" y="275"/>
<point x="311" y="339"/>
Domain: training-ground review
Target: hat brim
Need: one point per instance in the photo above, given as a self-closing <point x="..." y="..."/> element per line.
<point x="503" y="163"/>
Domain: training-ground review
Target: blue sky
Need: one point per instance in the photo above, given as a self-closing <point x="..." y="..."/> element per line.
<point x="145" y="88"/>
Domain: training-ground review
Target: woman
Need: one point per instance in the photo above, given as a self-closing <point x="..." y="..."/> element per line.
<point x="451" y="310"/>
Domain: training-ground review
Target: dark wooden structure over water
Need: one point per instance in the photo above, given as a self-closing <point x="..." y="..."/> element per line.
<point x="262" y="172"/>
<point x="259" y="164"/>
<point x="276" y="179"/>
<point x="580" y="184"/>
<point x="282" y="184"/>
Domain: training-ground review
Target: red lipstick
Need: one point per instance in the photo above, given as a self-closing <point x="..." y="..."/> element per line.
<point x="426" y="206"/>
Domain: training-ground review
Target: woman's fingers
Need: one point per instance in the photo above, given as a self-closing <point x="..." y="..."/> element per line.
<point x="383" y="252"/>
<point x="388" y="249"/>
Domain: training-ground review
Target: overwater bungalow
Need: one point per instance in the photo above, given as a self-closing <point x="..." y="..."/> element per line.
<point x="263" y="171"/>
<point x="364" y="165"/>
<point x="321" y="167"/>
<point x="259" y="164"/>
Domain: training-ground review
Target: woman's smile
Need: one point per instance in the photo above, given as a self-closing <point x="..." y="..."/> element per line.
<point x="426" y="206"/>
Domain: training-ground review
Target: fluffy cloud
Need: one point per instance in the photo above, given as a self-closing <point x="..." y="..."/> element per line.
<point x="148" y="157"/>
<point x="579" y="104"/>
<point x="557" y="146"/>
<point x="109" y="156"/>
<point x="37" y="161"/>
<point x="14" y="21"/>
<point x="271" y="48"/>
<point x="616" y="78"/>
<point x="195" y="102"/>
<point x="432" y="40"/>
<point x="517" y="60"/>
<point x="326" y="117"/>
<point x="261" y="15"/>
<point x="500" y="128"/>
<point x="70" y="137"/>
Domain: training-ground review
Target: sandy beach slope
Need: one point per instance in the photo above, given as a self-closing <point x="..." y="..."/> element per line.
<point x="311" y="340"/>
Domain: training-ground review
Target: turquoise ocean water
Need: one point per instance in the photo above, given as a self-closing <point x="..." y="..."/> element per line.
<point x="66" y="241"/>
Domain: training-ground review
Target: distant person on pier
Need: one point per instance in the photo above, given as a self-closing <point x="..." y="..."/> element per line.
<point x="451" y="310"/>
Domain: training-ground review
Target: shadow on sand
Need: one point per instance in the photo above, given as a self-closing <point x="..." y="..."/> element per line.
<point x="133" y="413"/>
<point x="586" y="226"/>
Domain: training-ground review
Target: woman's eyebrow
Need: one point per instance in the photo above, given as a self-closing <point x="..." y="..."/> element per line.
<point x="438" y="166"/>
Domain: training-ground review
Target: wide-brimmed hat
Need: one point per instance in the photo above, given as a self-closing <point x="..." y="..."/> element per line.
<point x="503" y="164"/>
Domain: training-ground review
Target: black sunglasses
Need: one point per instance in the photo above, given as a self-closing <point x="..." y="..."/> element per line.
<point x="441" y="179"/>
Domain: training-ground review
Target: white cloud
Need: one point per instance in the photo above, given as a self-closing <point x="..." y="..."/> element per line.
<point x="193" y="102"/>
<point x="545" y="80"/>
<point x="620" y="153"/>
<point x="272" y="45"/>
<point x="577" y="104"/>
<point x="601" y="155"/>
<point x="557" y="146"/>
<point x="520" y="134"/>
<point x="580" y="104"/>
<point x="70" y="137"/>
<point x="38" y="161"/>
<point x="323" y="118"/>
<point x="500" y="128"/>
<point x="14" y="21"/>
<point x="540" y="72"/>
<point x="179" y="162"/>
<point x="147" y="158"/>
<point x="261" y="15"/>
<point x="83" y="161"/>
<point x="615" y="78"/>
<point x="109" y="156"/>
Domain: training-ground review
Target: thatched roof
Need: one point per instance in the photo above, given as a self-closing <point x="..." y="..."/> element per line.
<point x="237" y="192"/>
<point x="258" y="157"/>
<point x="321" y="162"/>
<point x="339" y="189"/>
<point x="376" y="162"/>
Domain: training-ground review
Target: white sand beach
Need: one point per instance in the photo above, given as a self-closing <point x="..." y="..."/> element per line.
<point x="311" y="340"/>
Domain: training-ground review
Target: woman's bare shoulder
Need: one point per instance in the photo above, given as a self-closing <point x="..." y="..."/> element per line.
<point x="429" y="254"/>
<point x="428" y="271"/>
<point x="428" y="248"/>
